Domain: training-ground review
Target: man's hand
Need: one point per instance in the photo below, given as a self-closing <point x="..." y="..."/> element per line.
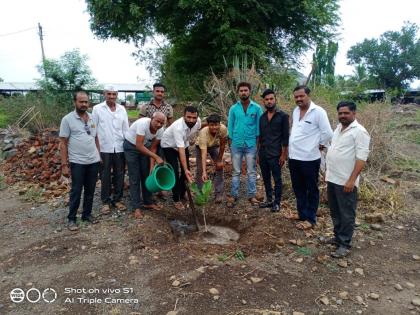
<point x="321" y="147"/>
<point x="219" y="165"/>
<point x="282" y="161"/>
<point x="349" y="186"/>
<point x="159" y="160"/>
<point x="65" y="171"/>
<point x="189" y="176"/>
<point x="204" y="177"/>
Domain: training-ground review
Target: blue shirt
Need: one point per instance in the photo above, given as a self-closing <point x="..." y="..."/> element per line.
<point x="244" y="127"/>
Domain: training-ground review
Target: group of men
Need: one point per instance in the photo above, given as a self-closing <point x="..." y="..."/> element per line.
<point x="104" y="142"/>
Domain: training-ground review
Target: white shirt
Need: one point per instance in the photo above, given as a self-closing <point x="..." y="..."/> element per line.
<point x="308" y="133"/>
<point x="178" y="134"/>
<point x="346" y="147"/>
<point x="111" y="126"/>
<point x="141" y="127"/>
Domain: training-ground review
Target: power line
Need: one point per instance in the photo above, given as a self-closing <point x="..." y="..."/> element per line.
<point x="17" y="32"/>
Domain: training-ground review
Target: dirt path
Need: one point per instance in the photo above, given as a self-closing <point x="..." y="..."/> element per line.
<point x="147" y="259"/>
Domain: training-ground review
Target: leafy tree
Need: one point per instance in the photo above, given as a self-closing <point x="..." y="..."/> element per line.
<point x="392" y="61"/>
<point x="200" y="34"/>
<point x="324" y="63"/>
<point x="70" y="72"/>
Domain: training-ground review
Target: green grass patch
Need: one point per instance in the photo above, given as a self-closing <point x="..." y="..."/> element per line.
<point x="304" y="251"/>
<point x="408" y="163"/>
<point x="3" y="120"/>
<point x="133" y="113"/>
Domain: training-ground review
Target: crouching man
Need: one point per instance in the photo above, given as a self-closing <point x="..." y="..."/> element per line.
<point x="79" y="149"/>
<point x="212" y="140"/>
<point x="345" y="160"/>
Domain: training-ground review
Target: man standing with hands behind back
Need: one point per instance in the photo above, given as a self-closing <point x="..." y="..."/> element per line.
<point x="79" y="150"/>
<point x="111" y="120"/>
<point x="311" y="132"/>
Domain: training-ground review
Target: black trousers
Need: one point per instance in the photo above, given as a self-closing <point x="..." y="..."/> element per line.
<point x="113" y="168"/>
<point x="172" y="157"/>
<point x="343" y="212"/>
<point x="271" y="167"/>
<point x="305" y="178"/>
<point x="83" y="177"/>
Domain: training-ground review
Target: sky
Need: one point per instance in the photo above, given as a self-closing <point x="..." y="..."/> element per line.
<point x="66" y="27"/>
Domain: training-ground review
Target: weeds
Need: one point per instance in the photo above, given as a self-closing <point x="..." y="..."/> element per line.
<point x="238" y="254"/>
<point x="304" y="251"/>
<point x="33" y="194"/>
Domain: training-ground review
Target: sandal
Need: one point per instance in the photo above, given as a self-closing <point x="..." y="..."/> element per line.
<point x="231" y="201"/>
<point x="254" y="201"/>
<point x="305" y="225"/>
<point x="137" y="214"/>
<point x="120" y="206"/>
<point x="153" y="207"/>
<point x="106" y="209"/>
<point x="292" y="216"/>
<point x="179" y="206"/>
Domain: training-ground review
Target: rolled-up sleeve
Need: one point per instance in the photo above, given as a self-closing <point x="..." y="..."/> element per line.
<point x="362" y="145"/>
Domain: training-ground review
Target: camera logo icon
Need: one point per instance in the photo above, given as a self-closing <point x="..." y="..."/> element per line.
<point x="33" y="295"/>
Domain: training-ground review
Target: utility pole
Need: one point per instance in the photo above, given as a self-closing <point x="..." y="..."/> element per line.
<point x="41" y="37"/>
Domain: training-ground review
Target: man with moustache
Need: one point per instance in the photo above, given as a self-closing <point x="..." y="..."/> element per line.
<point x="175" y="142"/>
<point x="158" y="104"/>
<point x="345" y="160"/>
<point x="310" y="133"/>
<point x="79" y="150"/>
<point x="140" y="149"/>
<point x="272" y="153"/>
<point x="243" y="130"/>
<point x="111" y="120"/>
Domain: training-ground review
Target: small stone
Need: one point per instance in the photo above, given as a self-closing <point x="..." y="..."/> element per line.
<point x="410" y="285"/>
<point x="29" y="284"/>
<point x="132" y="257"/>
<point x="298" y="313"/>
<point x="376" y="227"/>
<point x="359" y="271"/>
<point x="416" y="257"/>
<point x="91" y="274"/>
<point x="155" y="257"/>
<point x="216" y="297"/>
<point x="256" y="279"/>
<point x="172" y="313"/>
<point x="243" y="302"/>
<point x="374" y="296"/>
<point x="356" y="284"/>
<point x="415" y="301"/>
<point x="359" y="311"/>
<point x="343" y="295"/>
<point x="133" y="261"/>
<point x="299" y="260"/>
<point x="400" y="227"/>
<point x="339" y="302"/>
<point x="342" y="263"/>
<point x="398" y="287"/>
<point x="83" y="247"/>
<point x="176" y="283"/>
<point x="324" y="300"/>
<point x="214" y="291"/>
<point x="359" y="299"/>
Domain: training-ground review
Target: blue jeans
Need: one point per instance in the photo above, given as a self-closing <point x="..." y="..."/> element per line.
<point x="250" y="155"/>
<point x="83" y="177"/>
<point x="305" y="176"/>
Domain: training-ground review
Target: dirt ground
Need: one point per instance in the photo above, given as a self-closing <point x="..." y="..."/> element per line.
<point x="124" y="266"/>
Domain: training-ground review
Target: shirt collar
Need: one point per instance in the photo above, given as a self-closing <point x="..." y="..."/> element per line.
<point x="354" y="124"/>
<point x="77" y="115"/>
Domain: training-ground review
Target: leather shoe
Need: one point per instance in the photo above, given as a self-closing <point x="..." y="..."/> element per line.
<point x="266" y="204"/>
<point x="275" y="208"/>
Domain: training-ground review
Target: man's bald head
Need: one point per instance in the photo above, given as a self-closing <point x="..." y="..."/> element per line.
<point x="157" y="121"/>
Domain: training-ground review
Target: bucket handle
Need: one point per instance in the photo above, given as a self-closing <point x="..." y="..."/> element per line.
<point x="165" y="164"/>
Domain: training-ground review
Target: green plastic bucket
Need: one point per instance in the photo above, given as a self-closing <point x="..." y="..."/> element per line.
<point x="161" y="178"/>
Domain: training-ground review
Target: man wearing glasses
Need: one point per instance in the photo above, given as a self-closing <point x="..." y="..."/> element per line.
<point x="79" y="149"/>
<point x="112" y="123"/>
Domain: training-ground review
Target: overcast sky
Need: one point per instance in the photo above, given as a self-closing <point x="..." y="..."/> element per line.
<point x="66" y="26"/>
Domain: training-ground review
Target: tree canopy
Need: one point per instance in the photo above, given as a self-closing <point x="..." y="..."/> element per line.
<point x="68" y="73"/>
<point x="202" y="34"/>
<point x="392" y="60"/>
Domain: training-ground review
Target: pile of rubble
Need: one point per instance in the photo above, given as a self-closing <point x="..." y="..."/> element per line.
<point x="36" y="160"/>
